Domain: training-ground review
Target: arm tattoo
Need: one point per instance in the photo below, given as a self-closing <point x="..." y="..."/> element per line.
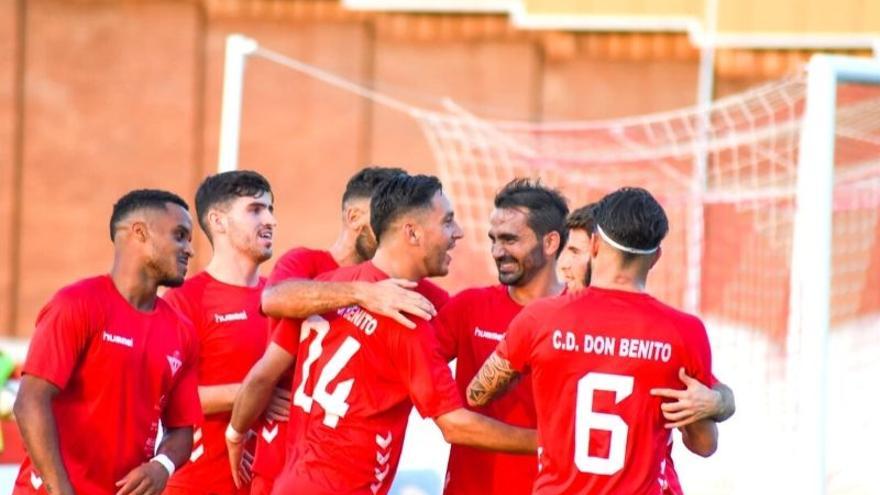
<point x="492" y="379"/>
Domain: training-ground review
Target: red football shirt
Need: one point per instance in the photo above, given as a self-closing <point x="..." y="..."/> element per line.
<point x="594" y="357"/>
<point x="469" y="328"/>
<point x="120" y="371"/>
<point x="358" y="376"/>
<point x="297" y="263"/>
<point x="232" y="334"/>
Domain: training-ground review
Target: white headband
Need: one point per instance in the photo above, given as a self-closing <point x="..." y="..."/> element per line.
<point x="621" y="247"/>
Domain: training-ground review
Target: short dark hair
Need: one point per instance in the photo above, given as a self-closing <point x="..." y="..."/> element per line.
<point x="363" y="184"/>
<point x="582" y="218"/>
<point x="400" y="195"/>
<point x="141" y="199"/>
<point x="547" y="208"/>
<point x="632" y="217"/>
<point x="226" y="186"/>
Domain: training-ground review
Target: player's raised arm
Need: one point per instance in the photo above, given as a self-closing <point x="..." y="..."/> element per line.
<point x="493" y="379"/>
<point x="34" y="402"/>
<point x="392" y="298"/>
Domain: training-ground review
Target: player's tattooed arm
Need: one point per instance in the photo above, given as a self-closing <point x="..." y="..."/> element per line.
<point x="494" y="377"/>
<point x="726" y="403"/>
<point x="36" y="420"/>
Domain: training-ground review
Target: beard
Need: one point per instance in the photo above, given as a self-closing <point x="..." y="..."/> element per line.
<point x="173" y="281"/>
<point x="365" y="246"/>
<point x="526" y="268"/>
<point x="588" y="274"/>
<point x="167" y="276"/>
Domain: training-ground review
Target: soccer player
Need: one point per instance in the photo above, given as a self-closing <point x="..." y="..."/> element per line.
<point x="595" y="356"/>
<point x="294" y="272"/>
<point x="108" y="360"/>
<point x="574" y="262"/>
<point x="697" y="401"/>
<point x="359" y="373"/>
<point x="527" y="231"/>
<point x="234" y="210"/>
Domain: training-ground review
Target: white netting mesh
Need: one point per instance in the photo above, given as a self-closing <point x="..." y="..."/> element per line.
<point x="726" y="176"/>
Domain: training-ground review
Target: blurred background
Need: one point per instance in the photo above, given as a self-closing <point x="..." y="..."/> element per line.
<point x="98" y="97"/>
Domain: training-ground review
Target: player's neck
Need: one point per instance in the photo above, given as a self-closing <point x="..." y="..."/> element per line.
<point x="623" y="280"/>
<point x="343" y="250"/>
<point x="396" y="265"/>
<point x="233" y="268"/>
<point x="134" y="283"/>
<point x="543" y="284"/>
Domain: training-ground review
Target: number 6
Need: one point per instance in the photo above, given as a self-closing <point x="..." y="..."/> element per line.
<point x="586" y="420"/>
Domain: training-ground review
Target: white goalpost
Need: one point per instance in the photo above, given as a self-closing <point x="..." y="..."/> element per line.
<point x="811" y="273"/>
<point x="785" y="182"/>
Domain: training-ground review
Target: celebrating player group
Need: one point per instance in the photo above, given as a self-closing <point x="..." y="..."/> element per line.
<point x="569" y="376"/>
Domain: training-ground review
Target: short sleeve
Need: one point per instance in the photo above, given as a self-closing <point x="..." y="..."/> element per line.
<point x="285" y="333"/>
<point x="183" y="407"/>
<point x="516" y="346"/>
<point x="177" y="299"/>
<point x="447" y="325"/>
<point x="433" y="293"/>
<point x="427" y="376"/>
<point x="293" y="265"/>
<point x="698" y="353"/>
<point x="182" y="303"/>
<point x="62" y="334"/>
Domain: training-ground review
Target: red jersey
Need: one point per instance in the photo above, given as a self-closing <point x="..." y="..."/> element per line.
<point x="358" y="376"/>
<point x="297" y="263"/>
<point x="469" y="329"/>
<point x="594" y="357"/>
<point x="120" y="371"/>
<point x="232" y="336"/>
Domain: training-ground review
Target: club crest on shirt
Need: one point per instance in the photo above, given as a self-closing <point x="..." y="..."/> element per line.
<point x="174" y="362"/>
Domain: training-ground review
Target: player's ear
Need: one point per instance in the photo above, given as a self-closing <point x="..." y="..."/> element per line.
<point x="594" y="245"/>
<point x="354" y="217"/>
<point x="551" y="243"/>
<point x="139" y="230"/>
<point x="216" y="221"/>
<point x="413" y="235"/>
<point x="656" y="257"/>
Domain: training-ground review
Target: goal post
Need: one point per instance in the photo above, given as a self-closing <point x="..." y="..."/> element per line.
<point x="811" y="271"/>
<point x="238" y="47"/>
